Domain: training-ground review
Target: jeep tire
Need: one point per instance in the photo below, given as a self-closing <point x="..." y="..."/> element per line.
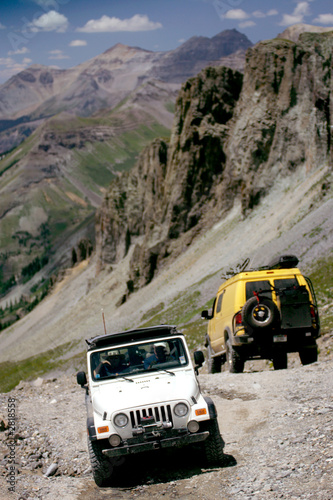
<point x="214" y="444"/>
<point x="308" y="354"/>
<point x="262" y="314"/>
<point x="101" y="466"/>
<point x="234" y="360"/>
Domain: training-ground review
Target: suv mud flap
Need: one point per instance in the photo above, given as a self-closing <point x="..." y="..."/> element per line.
<point x="157" y="444"/>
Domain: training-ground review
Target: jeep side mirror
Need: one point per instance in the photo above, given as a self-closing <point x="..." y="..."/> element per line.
<point x="199" y="360"/>
<point x="81" y="378"/>
<point x="205" y="314"/>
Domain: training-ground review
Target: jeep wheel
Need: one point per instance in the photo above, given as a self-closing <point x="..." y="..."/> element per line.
<point x="280" y="361"/>
<point x="101" y="466"/>
<point x="259" y="315"/>
<point x="308" y="355"/>
<point x="214" y="444"/>
<point x="214" y="364"/>
<point x="234" y="360"/>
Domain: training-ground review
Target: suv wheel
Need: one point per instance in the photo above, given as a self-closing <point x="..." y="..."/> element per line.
<point x="261" y="314"/>
<point x="234" y="360"/>
<point x="214" y="363"/>
<point x="101" y="466"/>
<point x="280" y="361"/>
<point x="308" y="355"/>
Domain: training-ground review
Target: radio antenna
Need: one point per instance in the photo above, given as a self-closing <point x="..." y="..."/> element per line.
<point x="103" y="321"/>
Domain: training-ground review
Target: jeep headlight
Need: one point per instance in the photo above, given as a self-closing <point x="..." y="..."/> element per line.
<point x="181" y="410"/>
<point x="121" y="420"/>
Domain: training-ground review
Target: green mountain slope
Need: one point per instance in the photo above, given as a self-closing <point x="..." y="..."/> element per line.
<point x="52" y="183"/>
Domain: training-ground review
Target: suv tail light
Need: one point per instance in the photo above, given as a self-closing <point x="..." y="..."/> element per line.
<point x="312" y="312"/>
<point x="238" y="319"/>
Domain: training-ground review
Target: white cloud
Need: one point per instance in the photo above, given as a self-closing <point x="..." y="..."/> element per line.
<point x="52" y="21"/>
<point x="24" y="50"/>
<point x="112" y="24"/>
<point x="47" y="4"/>
<point x="324" y="19"/>
<point x="258" y="13"/>
<point x="301" y="10"/>
<point x="247" y="24"/>
<point x="2" y="27"/>
<point x="78" y="43"/>
<point x="236" y="14"/>
<point x="57" y="54"/>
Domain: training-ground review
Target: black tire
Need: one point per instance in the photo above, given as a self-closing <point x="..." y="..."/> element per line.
<point x="308" y="355"/>
<point x="261" y="315"/>
<point x="280" y="361"/>
<point x="234" y="360"/>
<point x="101" y="466"/>
<point x="214" y="364"/>
<point x="214" y="444"/>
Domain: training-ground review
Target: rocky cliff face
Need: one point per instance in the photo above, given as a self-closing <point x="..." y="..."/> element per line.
<point x="284" y="115"/>
<point x="167" y="193"/>
<point x="230" y="141"/>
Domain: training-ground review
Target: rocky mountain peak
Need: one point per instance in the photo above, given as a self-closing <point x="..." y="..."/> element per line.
<point x="125" y="51"/>
<point x="293" y="32"/>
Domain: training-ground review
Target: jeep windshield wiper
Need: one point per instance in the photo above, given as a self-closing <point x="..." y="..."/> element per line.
<point x="125" y="378"/>
<point x="156" y="369"/>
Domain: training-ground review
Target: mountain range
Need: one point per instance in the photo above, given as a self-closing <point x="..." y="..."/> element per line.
<point x="103" y="82"/>
<point x="82" y="127"/>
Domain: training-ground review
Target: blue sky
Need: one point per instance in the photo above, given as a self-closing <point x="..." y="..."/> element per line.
<point x="64" y="33"/>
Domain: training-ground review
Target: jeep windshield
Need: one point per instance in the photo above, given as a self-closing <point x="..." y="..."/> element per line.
<point x="125" y="361"/>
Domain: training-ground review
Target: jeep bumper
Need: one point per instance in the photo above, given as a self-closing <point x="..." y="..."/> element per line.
<point x="156" y="444"/>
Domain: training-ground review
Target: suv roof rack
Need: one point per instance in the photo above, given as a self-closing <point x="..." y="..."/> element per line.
<point x="281" y="262"/>
<point x="150" y="332"/>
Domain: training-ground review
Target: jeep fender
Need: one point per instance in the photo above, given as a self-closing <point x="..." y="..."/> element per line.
<point x="211" y="407"/>
<point x="90" y="419"/>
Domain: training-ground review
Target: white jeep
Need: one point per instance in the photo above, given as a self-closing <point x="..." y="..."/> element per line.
<point x="142" y="394"/>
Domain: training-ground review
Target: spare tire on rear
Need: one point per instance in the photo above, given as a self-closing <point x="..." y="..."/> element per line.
<point x="262" y="314"/>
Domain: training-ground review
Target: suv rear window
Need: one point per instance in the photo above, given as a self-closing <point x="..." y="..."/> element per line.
<point x="286" y="283"/>
<point x="258" y="286"/>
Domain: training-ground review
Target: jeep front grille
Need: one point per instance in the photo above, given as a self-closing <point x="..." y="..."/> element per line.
<point x="160" y="414"/>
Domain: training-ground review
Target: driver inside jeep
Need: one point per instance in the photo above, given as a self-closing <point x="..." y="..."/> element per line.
<point x="110" y="365"/>
<point x="160" y="356"/>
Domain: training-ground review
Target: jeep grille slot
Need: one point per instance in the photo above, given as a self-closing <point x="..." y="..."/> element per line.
<point x="160" y="413"/>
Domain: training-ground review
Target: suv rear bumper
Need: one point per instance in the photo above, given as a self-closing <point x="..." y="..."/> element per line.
<point x="291" y="340"/>
<point x="156" y="444"/>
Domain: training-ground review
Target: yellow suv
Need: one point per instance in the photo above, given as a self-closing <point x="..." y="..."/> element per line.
<point x="263" y="314"/>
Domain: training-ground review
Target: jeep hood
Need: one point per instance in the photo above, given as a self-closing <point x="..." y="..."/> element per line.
<point x="155" y="389"/>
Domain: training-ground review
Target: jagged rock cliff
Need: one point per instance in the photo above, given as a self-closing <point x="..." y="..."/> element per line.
<point x="165" y="195"/>
<point x="284" y="114"/>
<point x="230" y="141"/>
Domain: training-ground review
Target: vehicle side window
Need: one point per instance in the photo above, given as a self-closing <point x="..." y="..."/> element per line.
<point x="258" y="286"/>
<point x="286" y="283"/>
<point x="219" y="303"/>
